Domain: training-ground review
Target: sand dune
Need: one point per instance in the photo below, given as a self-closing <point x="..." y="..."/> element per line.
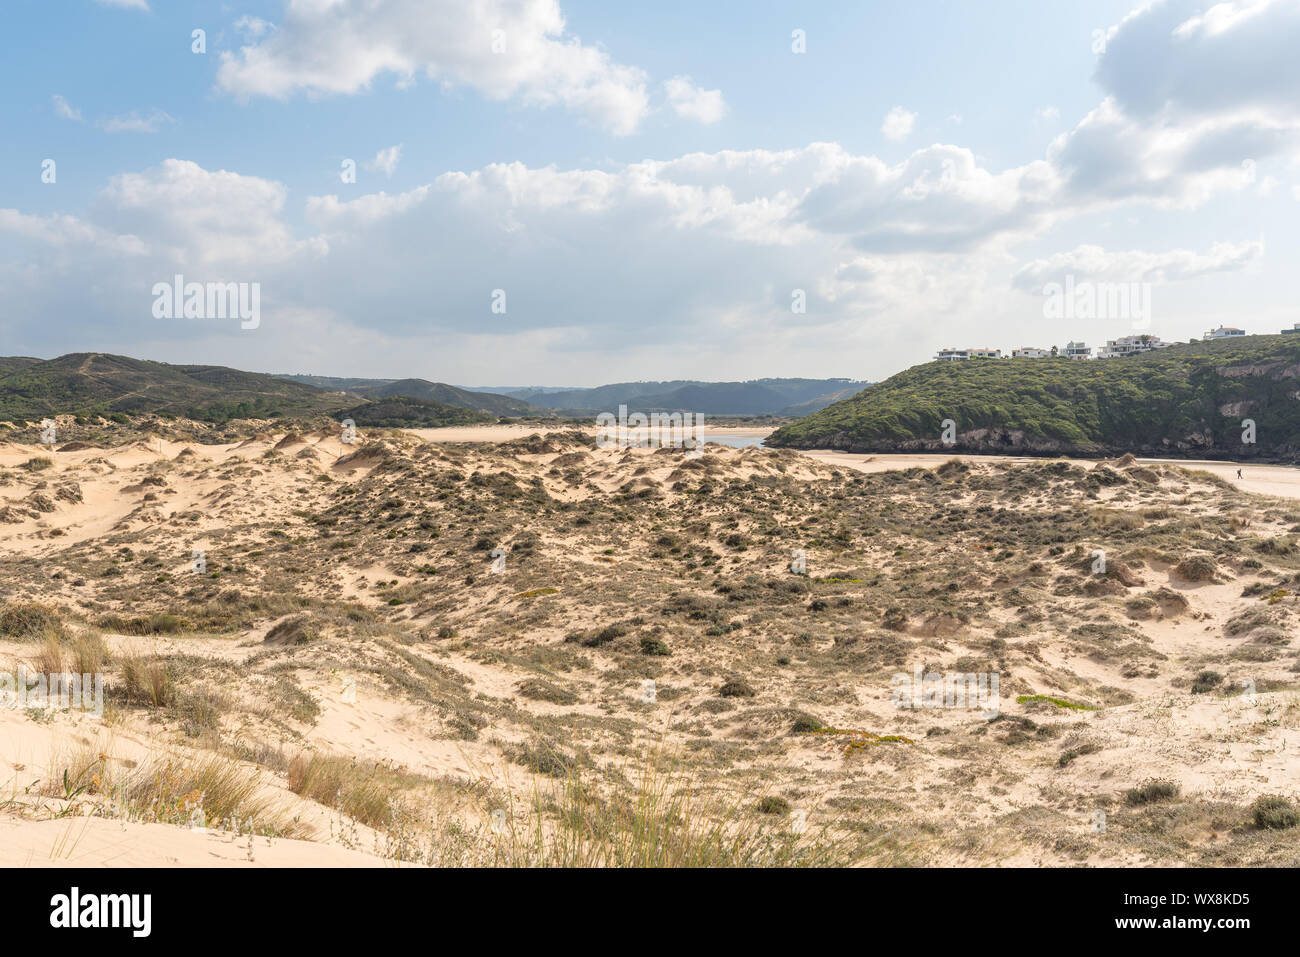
<point x="351" y="613"/>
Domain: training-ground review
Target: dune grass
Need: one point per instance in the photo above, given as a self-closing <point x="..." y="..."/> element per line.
<point x="663" y="815"/>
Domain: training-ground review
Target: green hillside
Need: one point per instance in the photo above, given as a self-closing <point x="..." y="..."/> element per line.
<point x="10" y="364"/>
<point x="422" y="389"/>
<point x="405" y="412"/>
<point x="1187" y="400"/>
<point x="90" y="383"/>
<point x="440" y="392"/>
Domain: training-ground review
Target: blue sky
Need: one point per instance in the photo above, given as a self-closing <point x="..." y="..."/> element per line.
<point x="649" y="185"/>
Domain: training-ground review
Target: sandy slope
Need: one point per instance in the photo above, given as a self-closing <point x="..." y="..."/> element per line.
<point x="101" y="842"/>
<point x="1281" y="480"/>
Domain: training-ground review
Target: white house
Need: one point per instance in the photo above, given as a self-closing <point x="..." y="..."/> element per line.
<point x="1223" y="332"/>
<point x="1029" y="352"/>
<point x="1295" y="328"/>
<point x="1076" y="350"/>
<point x="952" y="355"/>
<point x="1131" y="345"/>
<point x="985" y="353"/>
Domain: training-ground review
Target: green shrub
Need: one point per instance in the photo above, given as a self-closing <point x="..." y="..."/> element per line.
<point x="806" y="724"/>
<point x="28" y="620"/>
<point x="771" y="804"/>
<point x="736" y="688"/>
<point x="1206" y="681"/>
<point x="1152" y="792"/>
<point x="156" y="624"/>
<point x="1274" y="812"/>
<point x="1198" y="568"/>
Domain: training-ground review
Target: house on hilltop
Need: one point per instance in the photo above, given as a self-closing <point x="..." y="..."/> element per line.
<point x="1224" y="332"/>
<point x="1131" y="345"/>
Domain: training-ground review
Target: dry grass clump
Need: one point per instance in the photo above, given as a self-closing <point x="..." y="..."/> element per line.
<point x="141" y="625"/>
<point x="147" y="680"/>
<point x="1274" y="812"/>
<point x="297" y="630"/>
<point x="1198" y="568"/>
<point x="539" y="690"/>
<point x="356" y="788"/>
<point x="199" y="711"/>
<point x="73" y="772"/>
<point x="83" y="654"/>
<point x="172" y="790"/>
<point x="736" y="688"/>
<point x="49" y="659"/>
<point x="664" y="817"/>
<point x="89" y="654"/>
<point x="1152" y="792"/>
<point x="29" y="620"/>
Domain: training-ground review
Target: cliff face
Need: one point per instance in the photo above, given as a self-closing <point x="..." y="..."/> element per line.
<point x="1217" y="400"/>
<point x="1016" y="442"/>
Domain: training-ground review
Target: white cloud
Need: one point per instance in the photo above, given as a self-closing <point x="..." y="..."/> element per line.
<point x="898" y="124"/>
<point x="385" y="161"/>
<point x="65" y="109"/>
<point x="62" y="231"/>
<point x="938" y="199"/>
<point x="692" y="102"/>
<point x="193" y="217"/>
<point x="1097" y="264"/>
<point x="1048" y="114"/>
<point x="1220" y="18"/>
<point x="135" y="122"/>
<point x="1177" y="60"/>
<point x="252" y="27"/>
<point x="695" y="248"/>
<point x="583" y="255"/>
<point x="505" y="49"/>
<point x="1192" y="93"/>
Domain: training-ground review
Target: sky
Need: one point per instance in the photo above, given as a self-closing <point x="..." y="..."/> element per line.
<point x="547" y="192"/>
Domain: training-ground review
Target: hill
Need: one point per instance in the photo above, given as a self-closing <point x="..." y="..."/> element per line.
<point x="440" y="392"/>
<point x="88" y="383"/>
<point x="405" y="412"/>
<point x="1187" y="400"/>
<point x="800" y="409"/>
<point x="422" y="389"/>
<point x="10" y="364"/>
<point x="756" y="397"/>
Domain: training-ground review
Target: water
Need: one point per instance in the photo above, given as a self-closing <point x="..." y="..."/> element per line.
<point x="728" y="438"/>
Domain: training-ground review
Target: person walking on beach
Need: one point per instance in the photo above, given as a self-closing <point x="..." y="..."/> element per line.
<point x="1238" y="473"/>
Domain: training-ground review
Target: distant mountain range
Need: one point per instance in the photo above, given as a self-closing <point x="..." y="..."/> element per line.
<point x="95" y="383"/>
<point x="785" y="397"/>
<point x="421" y="389"/>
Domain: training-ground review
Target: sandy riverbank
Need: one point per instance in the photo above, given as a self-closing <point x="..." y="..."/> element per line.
<point x="1281" y="480"/>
